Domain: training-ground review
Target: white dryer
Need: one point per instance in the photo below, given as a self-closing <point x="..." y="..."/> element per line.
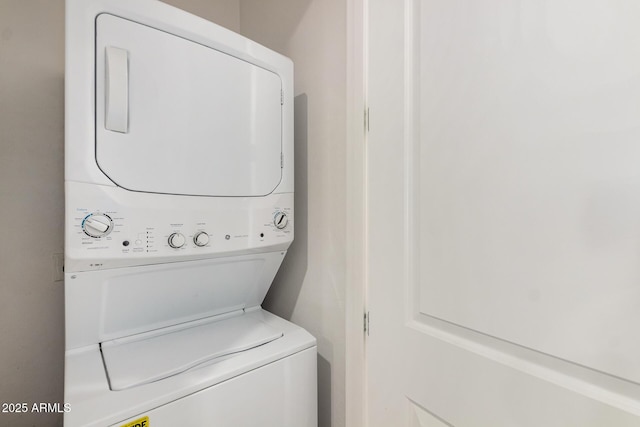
<point x="179" y="211"/>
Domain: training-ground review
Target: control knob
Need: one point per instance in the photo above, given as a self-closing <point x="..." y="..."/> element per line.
<point x="280" y="220"/>
<point x="97" y="225"/>
<point x="177" y="240"/>
<point x="201" y="239"/>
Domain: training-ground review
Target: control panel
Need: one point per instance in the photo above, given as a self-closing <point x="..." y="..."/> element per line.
<point x="106" y="235"/>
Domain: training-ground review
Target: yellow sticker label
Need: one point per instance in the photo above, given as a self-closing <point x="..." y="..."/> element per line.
<point x="140" y="422"/>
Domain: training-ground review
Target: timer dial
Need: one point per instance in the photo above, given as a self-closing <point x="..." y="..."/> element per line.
<point x="201" y="239"/>
<point x="280" y="220"/>
<point x="177" y="240"/>
<point x="97" y="225"/>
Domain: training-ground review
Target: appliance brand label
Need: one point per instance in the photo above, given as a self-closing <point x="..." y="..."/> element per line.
<point x="140" y="422"/>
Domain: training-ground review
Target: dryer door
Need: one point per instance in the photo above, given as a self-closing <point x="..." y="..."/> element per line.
<point x="174" y="116"/>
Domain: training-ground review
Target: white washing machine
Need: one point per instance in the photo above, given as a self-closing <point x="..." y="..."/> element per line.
<point x="179" y="211"/>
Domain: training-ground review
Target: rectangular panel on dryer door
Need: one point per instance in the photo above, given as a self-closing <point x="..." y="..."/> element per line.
<point x="177" y="117"/>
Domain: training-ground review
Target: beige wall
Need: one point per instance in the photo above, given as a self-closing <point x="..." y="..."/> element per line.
<point x="222" y="12"/>
<point x="31" y="206"/>
<point x="310" y="287"/>
<point x="32" y="198"/>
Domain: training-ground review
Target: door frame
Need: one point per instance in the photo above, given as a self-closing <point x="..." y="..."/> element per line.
<point x="356" y="283"/>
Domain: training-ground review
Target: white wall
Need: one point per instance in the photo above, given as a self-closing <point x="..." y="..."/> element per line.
<point x="32" y="198"/>
<point x="310" y="287"/>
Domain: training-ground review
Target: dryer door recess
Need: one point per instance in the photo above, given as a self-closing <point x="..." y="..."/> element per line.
<point x="176" y="117"/>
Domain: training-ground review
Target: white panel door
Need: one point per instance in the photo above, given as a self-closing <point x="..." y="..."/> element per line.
<point x="174" y="116"/>
<point x="503" y="205"/>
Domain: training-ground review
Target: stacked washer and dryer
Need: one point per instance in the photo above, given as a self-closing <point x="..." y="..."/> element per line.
<point x="179" y="211"/>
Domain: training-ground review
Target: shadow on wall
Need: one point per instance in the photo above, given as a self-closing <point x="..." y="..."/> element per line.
<point x="283" y="294"/>
<point x="282" y="297"/>
<point x="324" y="392"/>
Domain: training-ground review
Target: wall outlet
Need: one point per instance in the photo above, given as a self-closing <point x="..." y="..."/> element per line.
<point x="58" y="267"/>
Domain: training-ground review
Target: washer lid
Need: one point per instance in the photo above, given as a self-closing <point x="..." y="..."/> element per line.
<point x="177" y="117"/>
<point x="135" y="361"/>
